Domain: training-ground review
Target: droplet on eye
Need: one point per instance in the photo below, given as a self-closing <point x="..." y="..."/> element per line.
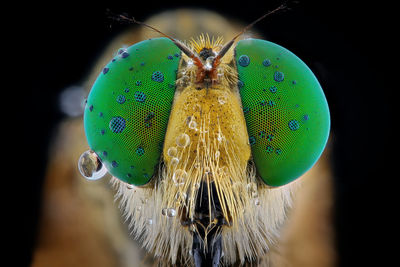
<point x="183" y="140"/>
<point x="90" y="166"/>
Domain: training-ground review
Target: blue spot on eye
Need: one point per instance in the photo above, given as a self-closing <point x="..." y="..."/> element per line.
<point x="294" y="125"/>
<point x="117" y="124"/>
<point x="121" y="99"/>
<point x="114" y="164"/>
<point x="105" y="153"/>
<point x="244" y="60"/>
<point x="138" y="83"/>
<point x="157" y="76"/>
<point x="176" y="55"/>
<point x="142" y="63"/>
<point x="140" y="96"/>
<point x="266" y="63"/>
<point x="170" y="57"/>
<point x="126" y="90"/>
<point x="271" y="103"/>
<point x="278" y="151"/>
<point x="105" y="70"/>
<point x="102" y="132"/>
<point x="273" y="89"/>
<point x="294" y="82"/>
<point x="240" y="84"/>
<point x="140" y="151"/>
<point x="269" y="149"/>
<point x="279" y="76"/>
<point x="149" y="116"/>
<point x="252" y="140"/>
<point x="306" y="117"/>
<point x="91" y="107"/>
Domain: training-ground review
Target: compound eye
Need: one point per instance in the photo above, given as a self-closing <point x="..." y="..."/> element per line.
<point x="128" y="108"/>
<point x="286" y="111"/>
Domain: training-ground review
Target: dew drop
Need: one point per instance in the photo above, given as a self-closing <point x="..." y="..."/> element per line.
<point x="183" y="140"/>
<point x="90" y="166"/>
<point x="130" y="186"/>
<point x="174" y="161"/>
<point x="164" y="211"/>
<point x="171" y="212"/>
<point x="179" y="177"/>
<point x="222" y="99"/>
<point x="172" y="151"/>
<point x="192" y="125"/>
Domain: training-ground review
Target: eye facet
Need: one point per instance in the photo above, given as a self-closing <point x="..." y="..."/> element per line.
<point x="127" y="110"/>
<point x="286" y="112"/>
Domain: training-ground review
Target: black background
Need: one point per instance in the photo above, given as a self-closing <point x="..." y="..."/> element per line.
<point x="347" y="45"/>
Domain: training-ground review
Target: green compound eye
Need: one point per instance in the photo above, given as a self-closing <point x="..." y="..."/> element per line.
<point x="127" y="110"/>
<point x="285" y="109"/>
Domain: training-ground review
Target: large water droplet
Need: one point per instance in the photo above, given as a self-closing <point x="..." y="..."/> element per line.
<point x="183" y="140"/>
<point x="90" y="166"/>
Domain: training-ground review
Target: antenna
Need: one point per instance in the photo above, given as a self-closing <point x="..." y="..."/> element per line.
<point x="228" y="45"/>
<point x="178" y="43"/>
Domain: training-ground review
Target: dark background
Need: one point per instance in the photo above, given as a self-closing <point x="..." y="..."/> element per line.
<point x="348" y="46"/>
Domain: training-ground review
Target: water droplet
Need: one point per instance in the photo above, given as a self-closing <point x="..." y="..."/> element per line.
<point x="164" y="211"/>
<point x="171" y="212"/>
<point x="197" y="108"/>
<point x="174" y="161"/>
<point x="196" y="185"/>
<point x="192" y="125"/>
<point x="179" y="177"/>
<point x="149" y="221"/>
<point x="180" y="195"/>
<point x="90" y="166"/>
<point x="220" y="137"/>
<point x="172" y="151"/>
<point x="130" y="186"/>
<point x="222" y="99"/>
<point x="183" y="140"/>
